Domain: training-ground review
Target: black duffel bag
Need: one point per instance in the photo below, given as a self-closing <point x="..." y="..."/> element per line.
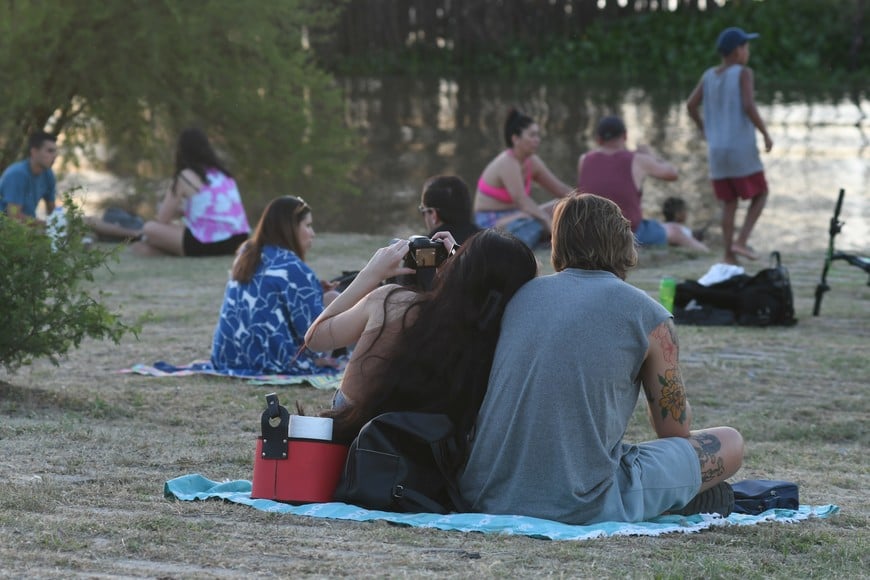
<point x="764" y="299"/>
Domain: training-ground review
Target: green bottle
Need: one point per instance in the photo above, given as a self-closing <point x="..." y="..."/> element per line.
<point x="667" y="291"/>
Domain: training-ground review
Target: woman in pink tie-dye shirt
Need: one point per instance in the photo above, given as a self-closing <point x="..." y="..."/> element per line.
<point x="205" y="196"/>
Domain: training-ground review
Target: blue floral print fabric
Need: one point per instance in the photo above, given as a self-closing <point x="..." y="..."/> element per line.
<point x="263" y="322"/>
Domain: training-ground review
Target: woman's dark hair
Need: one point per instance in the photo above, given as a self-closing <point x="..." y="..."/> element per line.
<point x="278" y="226"/>
<point x="450" y="196"/>
<point x="671" y="207"/>
<point x="442" y="358"/>
<point x="194" y="152"/>
<point x="515" y="124"/>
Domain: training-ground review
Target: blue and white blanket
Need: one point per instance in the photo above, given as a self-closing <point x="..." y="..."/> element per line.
<point x="164" y="369"/>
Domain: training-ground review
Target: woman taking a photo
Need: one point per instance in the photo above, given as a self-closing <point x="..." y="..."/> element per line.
<point x="205" y="196"/>
<point x="272" y="298"/>
<point x="429" y="351"/>
<point x="503" y="197"/>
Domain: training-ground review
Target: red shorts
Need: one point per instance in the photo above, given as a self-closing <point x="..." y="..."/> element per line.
<point x="747" y="187"/>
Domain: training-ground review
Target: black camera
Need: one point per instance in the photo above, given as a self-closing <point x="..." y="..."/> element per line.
<point x="424" y="256"/>
<point x="424" y="253"/>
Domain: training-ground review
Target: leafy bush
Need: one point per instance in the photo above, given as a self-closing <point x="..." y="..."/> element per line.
<point x="44" y="308"/>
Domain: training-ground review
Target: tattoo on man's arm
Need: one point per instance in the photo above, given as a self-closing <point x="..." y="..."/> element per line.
<point x="665" y="336"/>
<point x="673" y="397"/>
<point x="712" y="464"/>
<point x="672" y="331"/>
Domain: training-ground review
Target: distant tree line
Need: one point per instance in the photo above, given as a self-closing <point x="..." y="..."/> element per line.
<point x="558" y="37"/>
<point x="471" y="25"/>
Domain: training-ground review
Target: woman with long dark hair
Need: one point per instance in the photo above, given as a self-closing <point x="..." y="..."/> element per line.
<point x="272" y="298"/>
<point x="503" y="197"/>
<point x="430" y="351"/>
<point x="206" y="198"/>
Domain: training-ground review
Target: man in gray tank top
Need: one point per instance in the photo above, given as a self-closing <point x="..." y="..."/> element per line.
<point x="726" y="96"/>
<point x="575" y="349"/>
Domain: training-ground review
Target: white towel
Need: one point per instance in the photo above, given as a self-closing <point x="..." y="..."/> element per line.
<point x="719" y="273"/>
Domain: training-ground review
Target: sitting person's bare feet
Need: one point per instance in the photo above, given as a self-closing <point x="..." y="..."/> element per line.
<point x="744" y="251"/>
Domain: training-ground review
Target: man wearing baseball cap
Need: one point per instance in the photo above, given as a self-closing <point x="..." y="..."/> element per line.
<point x="723" y="107"/>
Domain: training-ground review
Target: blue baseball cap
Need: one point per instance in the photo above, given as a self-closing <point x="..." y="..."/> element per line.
<point x="731" y="38"/>
<point x="610" y="128"/>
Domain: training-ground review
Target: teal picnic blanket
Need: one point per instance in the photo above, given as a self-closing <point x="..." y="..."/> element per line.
<point x="196" y="487"/>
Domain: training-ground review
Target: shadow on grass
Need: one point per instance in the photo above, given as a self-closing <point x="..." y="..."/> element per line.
<point x="17" y="400"/>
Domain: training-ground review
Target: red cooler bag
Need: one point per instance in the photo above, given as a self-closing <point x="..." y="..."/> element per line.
<point x="293" y="470"/>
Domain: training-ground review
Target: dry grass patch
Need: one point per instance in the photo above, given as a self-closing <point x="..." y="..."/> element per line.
<point x="84" y="451"/>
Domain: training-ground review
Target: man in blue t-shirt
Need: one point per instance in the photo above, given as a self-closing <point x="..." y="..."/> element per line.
<point x="26" y="182"/>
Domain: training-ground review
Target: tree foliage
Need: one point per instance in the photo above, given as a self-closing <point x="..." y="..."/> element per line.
<point x="628" y="39"/>
<point x="131" y="73"/>
<point x="45" y="309"/>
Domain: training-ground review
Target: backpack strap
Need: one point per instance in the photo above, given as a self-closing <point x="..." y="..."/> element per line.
<point x="442" y="451"/>
<point x="775" y="259"/>
<point x="413" y="501"/>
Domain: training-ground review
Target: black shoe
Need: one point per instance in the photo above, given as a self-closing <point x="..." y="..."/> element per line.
<point x="719" y="499"/>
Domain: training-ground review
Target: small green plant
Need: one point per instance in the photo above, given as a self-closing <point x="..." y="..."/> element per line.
<point x="44" y="308"/>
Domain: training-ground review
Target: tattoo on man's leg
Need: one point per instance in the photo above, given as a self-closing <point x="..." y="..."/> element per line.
<point x="709" y="446"/>
<point x="714" y="471"/>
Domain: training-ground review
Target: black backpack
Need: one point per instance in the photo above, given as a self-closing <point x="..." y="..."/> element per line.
<point x="403" y="462"/>
<point x="764" y="299"/>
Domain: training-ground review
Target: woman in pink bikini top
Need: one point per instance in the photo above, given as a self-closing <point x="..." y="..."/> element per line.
<point x="504" y="188"/>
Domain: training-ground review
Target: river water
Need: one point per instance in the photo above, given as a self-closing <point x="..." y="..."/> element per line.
<point x="413" y="128"/>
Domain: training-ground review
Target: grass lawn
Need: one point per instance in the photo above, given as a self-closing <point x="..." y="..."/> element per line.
<point x="84" y="451"/>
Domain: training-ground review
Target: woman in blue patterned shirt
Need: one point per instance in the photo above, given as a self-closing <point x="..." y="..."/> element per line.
<point x="272" y="298"/>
